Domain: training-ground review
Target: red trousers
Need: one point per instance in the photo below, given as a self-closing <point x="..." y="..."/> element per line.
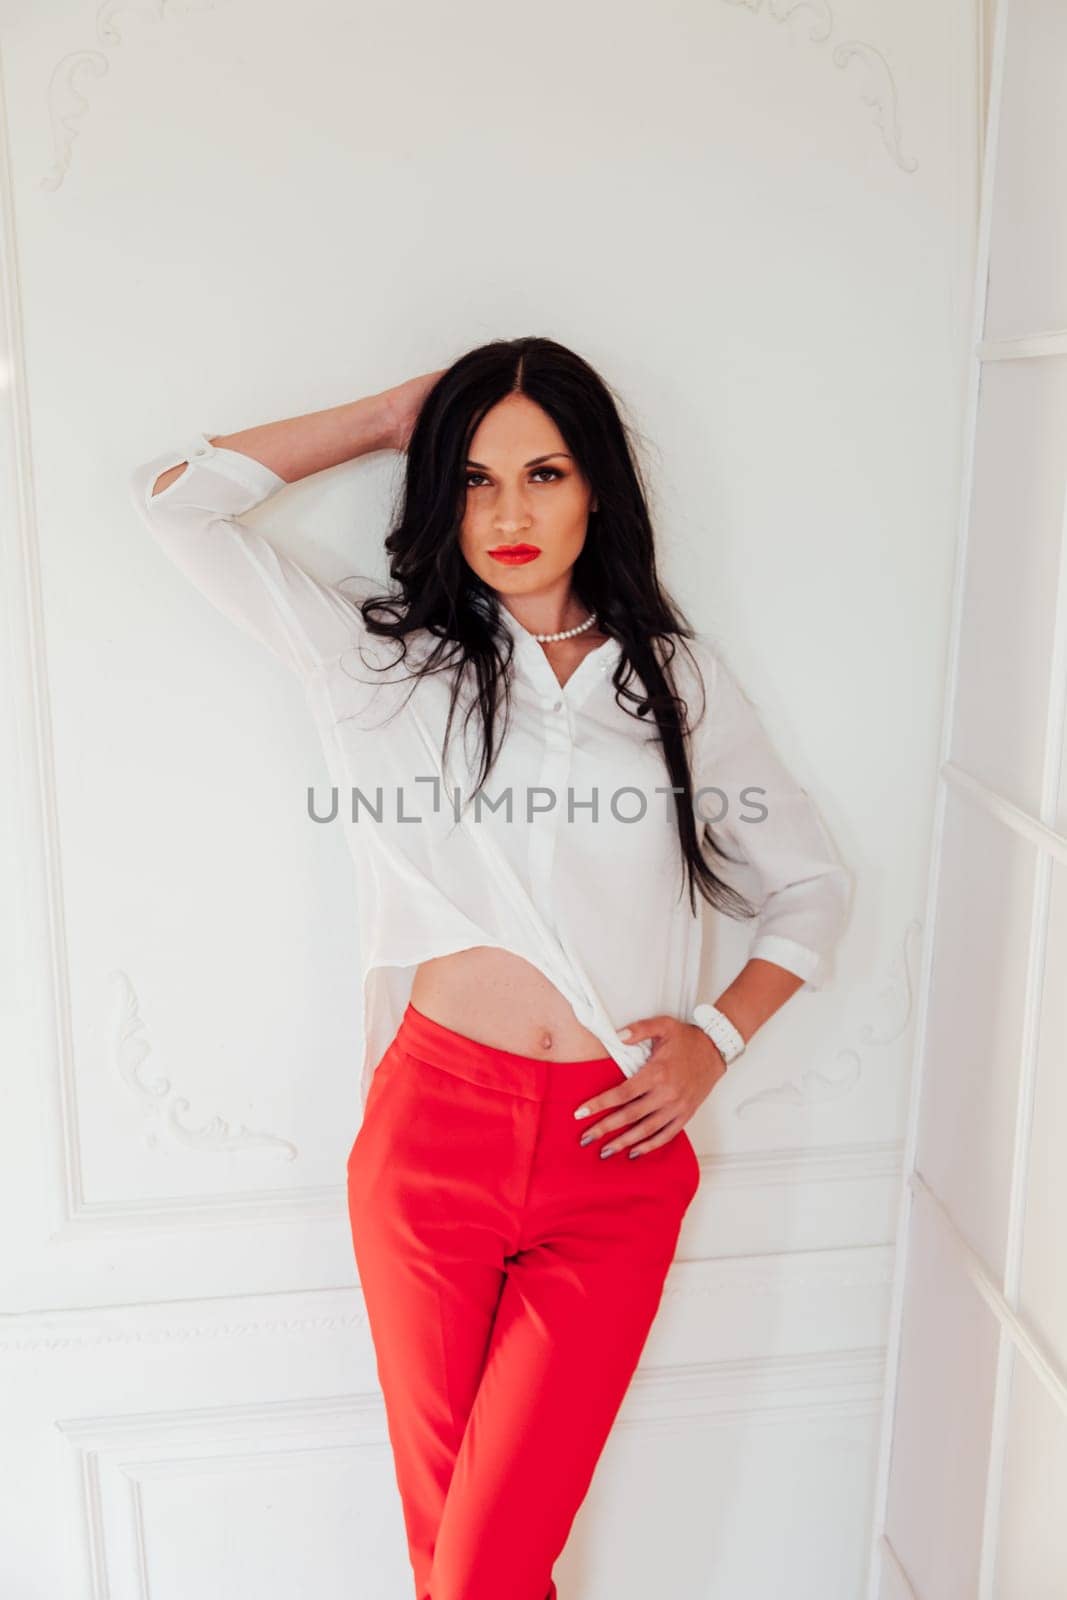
<point x="511" y="1277"/>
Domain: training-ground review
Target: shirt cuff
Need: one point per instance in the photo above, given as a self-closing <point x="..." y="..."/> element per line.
<point x="253" y="475"/>
<point x="799" y="959"/>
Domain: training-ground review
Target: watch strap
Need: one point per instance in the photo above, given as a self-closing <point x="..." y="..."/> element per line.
<point x="720" y="1030"/>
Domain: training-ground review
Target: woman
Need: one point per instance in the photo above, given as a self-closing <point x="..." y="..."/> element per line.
<point x="530" y="948"/>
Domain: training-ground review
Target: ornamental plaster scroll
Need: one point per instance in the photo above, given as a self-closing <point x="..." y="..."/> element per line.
<point x="896" y="999"/>
<point x="879" y="90"/>
<point x="67" y="105"/>
<point x="163" y="1108"/>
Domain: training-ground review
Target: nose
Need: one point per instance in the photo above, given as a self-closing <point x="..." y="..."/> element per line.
<point x="511" y="515"/>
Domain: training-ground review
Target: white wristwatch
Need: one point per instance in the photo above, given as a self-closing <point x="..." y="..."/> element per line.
<point x="720" y="1030"/>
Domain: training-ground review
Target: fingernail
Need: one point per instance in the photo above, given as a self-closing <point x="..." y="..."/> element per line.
<point x="624" y="1033"/>
<point x="636" y="1153"/>
<point x="608" y="1152"/>
<point x="586" y="1137"/>
<point x="582" y="1111"/>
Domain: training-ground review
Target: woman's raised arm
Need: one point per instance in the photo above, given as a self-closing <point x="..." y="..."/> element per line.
<point x="191" y="497"/>
<point x="295" y="447"/>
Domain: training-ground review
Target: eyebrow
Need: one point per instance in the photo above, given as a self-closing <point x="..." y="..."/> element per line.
<point x="536" y="460"/>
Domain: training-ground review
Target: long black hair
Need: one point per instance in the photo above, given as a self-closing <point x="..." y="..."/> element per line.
<point x="615" y="573"/>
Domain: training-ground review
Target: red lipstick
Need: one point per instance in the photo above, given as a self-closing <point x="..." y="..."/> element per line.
<point x="513" y="555"/>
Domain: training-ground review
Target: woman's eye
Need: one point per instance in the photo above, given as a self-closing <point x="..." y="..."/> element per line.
<point x="553" y="472"/>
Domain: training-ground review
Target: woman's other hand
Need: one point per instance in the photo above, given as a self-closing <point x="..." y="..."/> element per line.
<point x="404" y="404"/>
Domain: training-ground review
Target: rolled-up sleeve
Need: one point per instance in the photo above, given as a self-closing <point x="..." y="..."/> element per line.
<point x="303" y="620"/>
<point x="767" y="818"/>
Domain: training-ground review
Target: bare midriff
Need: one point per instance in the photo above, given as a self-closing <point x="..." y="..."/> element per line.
<point x="500" y="999"/>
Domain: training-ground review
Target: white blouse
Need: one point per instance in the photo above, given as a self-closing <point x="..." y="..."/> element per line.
<point x="570" y="857"/>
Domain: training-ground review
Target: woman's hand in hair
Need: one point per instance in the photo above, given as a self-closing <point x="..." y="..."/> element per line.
<point x="404" y="404"/>
<point x="653" y="1105"/>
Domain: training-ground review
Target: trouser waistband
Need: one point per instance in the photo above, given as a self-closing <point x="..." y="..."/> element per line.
<point x="528" y="1076"/>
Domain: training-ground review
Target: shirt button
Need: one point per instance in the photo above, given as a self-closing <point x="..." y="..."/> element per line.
<point x="557" y="705"/>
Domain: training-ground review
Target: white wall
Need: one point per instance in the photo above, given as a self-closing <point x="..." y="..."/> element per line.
<point x="973" y="1465"/>
<point x="758" y="221"/>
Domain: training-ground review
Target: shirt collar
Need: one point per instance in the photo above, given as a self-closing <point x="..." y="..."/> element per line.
<point x="529" y="653"/>
<point x="515" y="627"/>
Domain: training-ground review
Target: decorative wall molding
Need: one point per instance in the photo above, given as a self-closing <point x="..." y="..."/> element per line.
<point x="89" y="1338"/>
<point x="832" y="1163"/>
<point x="824" y="1272"/>
<point x="320" y="1202"/>
<point x="880" y="90"/>
<point x="166" y="1112"/>
<point x="67" y="106"/>
<point x="130" y="1052"/>
<point x="817" y="1086"/>
<point x="892" y="1564"/>
<point x="764" y="1388"/>
<point x="857" y="1162"/>
<point x="116" y="1453"/>
<point x="858" y="1267"/>
<point x="697" y="1389"/>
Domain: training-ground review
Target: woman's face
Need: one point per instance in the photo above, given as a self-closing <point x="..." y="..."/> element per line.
<point x="525" y="495"/>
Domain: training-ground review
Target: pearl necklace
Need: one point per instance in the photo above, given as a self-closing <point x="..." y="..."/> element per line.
<point x="568" y="633"/>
